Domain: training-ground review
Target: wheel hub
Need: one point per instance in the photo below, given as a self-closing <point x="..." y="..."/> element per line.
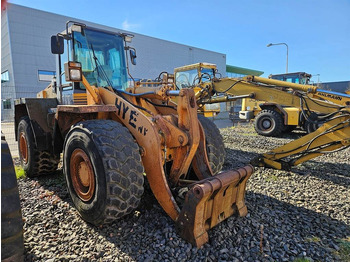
<point x="82" y="175"/>
<point x="266" y="123"/>
<point x="23" y="148"/>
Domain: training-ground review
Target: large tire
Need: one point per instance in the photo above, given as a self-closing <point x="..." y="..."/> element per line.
<point x="33" y="161"/>
<point x="103" y="170"/>
<point x="269" y="123"/>
<point x="214" y="143"/>
<point x="12" y="247"/>
<point x="310" y="126"/>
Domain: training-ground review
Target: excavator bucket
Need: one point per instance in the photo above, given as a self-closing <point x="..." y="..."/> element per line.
<point x="210" y="201"/>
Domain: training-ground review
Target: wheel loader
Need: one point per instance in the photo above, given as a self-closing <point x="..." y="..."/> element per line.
<point x="113" y="136"/>
<point x="326" y="112"/>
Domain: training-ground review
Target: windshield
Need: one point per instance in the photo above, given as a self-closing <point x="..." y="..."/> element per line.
<point x="101" y="57"/>
<point x="298" y="78"/>
<point x="191" y="78"/>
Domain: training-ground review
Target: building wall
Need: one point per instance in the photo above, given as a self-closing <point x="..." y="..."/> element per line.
<point x="7" y="87"/>
<point x="26" y="49"/>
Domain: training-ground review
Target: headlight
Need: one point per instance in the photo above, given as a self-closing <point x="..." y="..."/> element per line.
<point x="75" y="74"/>
<point x="72" y="71"/>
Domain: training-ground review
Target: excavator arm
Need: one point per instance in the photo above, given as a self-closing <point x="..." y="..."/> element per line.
<point x="254" y="87"/>
<point x="332" y="109"/>
<point x="332" y="136"/>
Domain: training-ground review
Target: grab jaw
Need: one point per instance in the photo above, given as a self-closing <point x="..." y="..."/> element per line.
<point x="211" y="201"/>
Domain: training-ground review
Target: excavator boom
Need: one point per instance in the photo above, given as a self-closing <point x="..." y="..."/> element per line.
<point x="317" y="106"/>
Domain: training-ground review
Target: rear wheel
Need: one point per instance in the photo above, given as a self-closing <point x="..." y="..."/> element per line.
<point x="11" y="217"/>
<point x="214" y="143"/>
<point x="310" y="126"/>
<point x="33" y="161"/>
<point x="103" y="170"/>
<point x="269" y="123"/>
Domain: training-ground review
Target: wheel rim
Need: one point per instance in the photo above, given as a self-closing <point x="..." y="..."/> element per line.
<point x="266" y="124"/>
<point x="23" y="148"/>
<point x="82" y="175"/>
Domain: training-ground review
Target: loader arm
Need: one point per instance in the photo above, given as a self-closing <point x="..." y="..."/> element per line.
<point x="210" y="199"/>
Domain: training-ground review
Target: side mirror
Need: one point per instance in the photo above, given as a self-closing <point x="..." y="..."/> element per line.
<point x="133" y="56"/>
<point x="57" y="44"/>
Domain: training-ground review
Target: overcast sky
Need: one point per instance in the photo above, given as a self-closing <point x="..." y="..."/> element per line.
<point x="316" y="31"/>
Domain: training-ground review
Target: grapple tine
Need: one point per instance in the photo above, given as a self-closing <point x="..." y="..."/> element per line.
<point x="211" y="201"/>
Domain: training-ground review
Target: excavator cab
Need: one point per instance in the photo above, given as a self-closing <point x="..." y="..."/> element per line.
<point x="297" y="77"/>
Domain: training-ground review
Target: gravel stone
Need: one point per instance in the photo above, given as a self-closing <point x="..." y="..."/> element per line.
<point x="304" y="212"/>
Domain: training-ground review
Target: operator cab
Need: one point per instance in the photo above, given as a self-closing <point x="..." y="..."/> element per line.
<point x="297" y="78"/>
<point x="101" y="57"/>
<point x="197" y="76"/>
<point x="192" y="75"/>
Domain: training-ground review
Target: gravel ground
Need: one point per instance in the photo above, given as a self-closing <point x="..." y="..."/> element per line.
<point x="293" y="216"/>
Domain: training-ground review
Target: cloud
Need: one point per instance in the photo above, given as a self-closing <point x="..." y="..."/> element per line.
<point x="128" y="26"/>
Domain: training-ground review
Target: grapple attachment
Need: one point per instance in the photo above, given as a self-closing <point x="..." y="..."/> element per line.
<point x="210" y="201"/>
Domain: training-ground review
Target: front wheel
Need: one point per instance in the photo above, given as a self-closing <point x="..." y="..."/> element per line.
<point x="269" y="123"/>
<point x="214" y="144"/>
<point x="103" y="170"/>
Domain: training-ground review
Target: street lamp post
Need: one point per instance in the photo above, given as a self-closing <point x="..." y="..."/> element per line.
<point x="287" y="52"/>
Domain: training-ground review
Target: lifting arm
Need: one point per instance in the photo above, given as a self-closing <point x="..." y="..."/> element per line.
<point x="263" y="92"/>
<point x="332" y="136"/>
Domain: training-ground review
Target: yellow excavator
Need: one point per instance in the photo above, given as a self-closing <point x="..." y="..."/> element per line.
<point x="265" y="113"/>
<point x="113" y="136"/>
<point x="326" y="111"/>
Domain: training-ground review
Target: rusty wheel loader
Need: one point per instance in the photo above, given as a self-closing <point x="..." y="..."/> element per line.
<point x="327" y="112"/>
<point x="112" y="136"/>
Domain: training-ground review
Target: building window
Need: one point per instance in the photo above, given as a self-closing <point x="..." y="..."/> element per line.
<point x="45" y="75"/>
<point x="6" y="103"/>
<point x="5" y="77"/>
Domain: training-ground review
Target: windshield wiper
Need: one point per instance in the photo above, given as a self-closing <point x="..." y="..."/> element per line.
<point x="99" y="68"/>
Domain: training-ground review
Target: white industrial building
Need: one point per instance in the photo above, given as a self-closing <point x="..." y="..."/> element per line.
<point x="27" y="65"/>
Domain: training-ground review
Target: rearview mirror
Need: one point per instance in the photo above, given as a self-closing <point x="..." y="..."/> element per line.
<point x="57" y="44"/>
<point x="133" y="56"/>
